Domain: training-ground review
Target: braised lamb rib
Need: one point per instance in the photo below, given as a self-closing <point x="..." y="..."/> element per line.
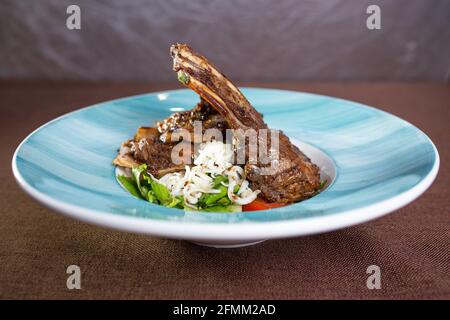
<point x="222" y="106"/>
<point x="293" y="177"/>
<point x="153" y="145"/>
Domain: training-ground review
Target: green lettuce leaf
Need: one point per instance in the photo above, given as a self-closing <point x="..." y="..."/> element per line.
<point x="217" y="181"/>
<point x="208" y="199"/>
<point x="161" y="193"/>
<point x="137" y="173"/>
<point x="129" y="184"/>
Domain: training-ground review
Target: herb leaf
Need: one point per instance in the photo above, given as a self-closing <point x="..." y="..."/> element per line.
<point x="208" y="199"/>
<point x="129" y="184"/>
<point x="161" y="193"/>
<point x="183" y="77"/>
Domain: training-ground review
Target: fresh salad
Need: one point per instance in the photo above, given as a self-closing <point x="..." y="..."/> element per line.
<point x="213" y="183"/>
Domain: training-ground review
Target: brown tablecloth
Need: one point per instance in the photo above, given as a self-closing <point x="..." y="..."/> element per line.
<point x="411" y="246"/>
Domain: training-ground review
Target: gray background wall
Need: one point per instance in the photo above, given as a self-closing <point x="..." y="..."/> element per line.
<point x="256" y="40"/>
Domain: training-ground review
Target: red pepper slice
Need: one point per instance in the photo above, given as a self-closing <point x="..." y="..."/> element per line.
<point x="259" y="204"/>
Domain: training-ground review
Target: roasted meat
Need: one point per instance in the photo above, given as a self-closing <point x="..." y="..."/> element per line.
<point x="146" y="147"/>
<point x="154" y="146"/>
<point x="202" y="112"/>
<point x="292" y="176"/>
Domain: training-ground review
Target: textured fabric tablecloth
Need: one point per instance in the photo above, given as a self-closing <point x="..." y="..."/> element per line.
<point x="411" y="246"/>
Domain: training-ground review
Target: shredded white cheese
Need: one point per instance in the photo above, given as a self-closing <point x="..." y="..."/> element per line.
<point x="214" y="158"/>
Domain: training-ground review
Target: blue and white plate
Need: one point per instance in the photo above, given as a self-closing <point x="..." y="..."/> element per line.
<point x="374" y="161"/>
